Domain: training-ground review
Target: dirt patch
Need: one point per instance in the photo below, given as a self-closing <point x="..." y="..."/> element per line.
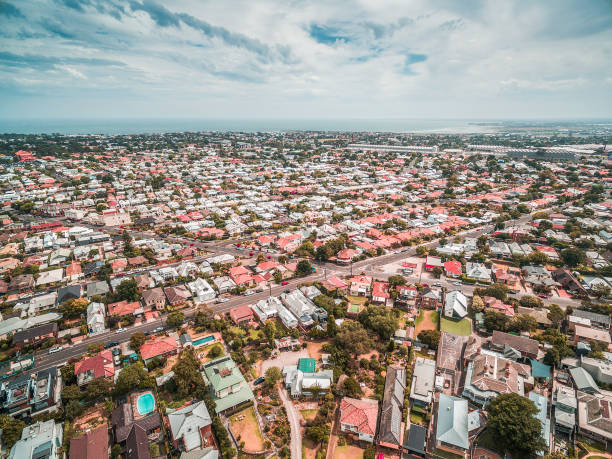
<point x="246" y="429"/>
<point x="314" y="350"/>
<point x="348" y="452"/>
<point x="427" y="320"/>
<point x="282" y="360"/>
<point x="309" y="449"/>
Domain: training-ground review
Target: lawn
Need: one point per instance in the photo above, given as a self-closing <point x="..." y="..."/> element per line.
<point x="416" y="418"/>
<point x="244" y="425"/>
<point x="591" y="446"/>
<point x="461" y="327"/>
<point x="308" y="415"/>
<point x="427" y="320"/>
<point x="348" y="452"/>
<point x="353" y="308"/>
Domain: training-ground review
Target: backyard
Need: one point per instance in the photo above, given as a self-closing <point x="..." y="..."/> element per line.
<point x="245" y="428"/>
<point x="348" y="452"/>
<point x="427" y="320"/>
<point x="461" y="327"/>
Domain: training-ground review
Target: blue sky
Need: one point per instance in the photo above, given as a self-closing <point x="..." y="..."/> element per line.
<point x="305" y="59"/>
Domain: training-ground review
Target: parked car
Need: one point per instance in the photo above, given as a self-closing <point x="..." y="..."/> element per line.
<point x="121" y="330"/>
<point x="158" y="329"/>
<point x="259" y="380"/>
<point x="111" y="343"/>
<point x="55" y="349"/>
<point x="284" y="283"/>
<point x="259" y="290"/>
<point x="457" y="283"/>
<point x="249" y="293"/>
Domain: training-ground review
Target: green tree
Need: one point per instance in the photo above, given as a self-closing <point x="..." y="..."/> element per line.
<point x="73" y="308"/>
<point x="353" y="337"/>
<point x="396" y="280"/>
<point x="573" y="256"/>
<point x="530" y="301"/>
<point x="187" y="378"/>
<point x="272" y="376"/>
<point x="137" y="340"/>
<point x="380" y="320"/>
<point x="175" y="319"/>
<point x="513" y="425"/>
<point x="98" y="388"/>
<point x="73" y="409"/>
<point x="215" y="351"/>
<point x="437" y="271"/>
<point x="494" y="320"/>
<point x="332" y="328"/>
<point x="71" y="392"/>
<point x="127" y="290"/>
<point x="351" y="388"/>
<point x="477" y="304"/>
<point x="429" y="337"/>
<point x="600" y="290"/>
<point x="555" y="314"/>
<point x="304" y="268"/>
<point x="133" y="377"/>
<point x="11" y="429"/>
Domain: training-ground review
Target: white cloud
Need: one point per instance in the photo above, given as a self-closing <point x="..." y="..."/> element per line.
<point x="261" y="59"/>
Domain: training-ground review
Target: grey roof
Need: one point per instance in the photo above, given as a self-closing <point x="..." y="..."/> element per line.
<point x="416" y="439"/>
<point x="206" y="453"/>
<point x="452" y="423"/>
<point x="593" y="316"/>
<point x="583" y="380"/>
<point x="393" y="402"/>
<point x="187" y="422"/>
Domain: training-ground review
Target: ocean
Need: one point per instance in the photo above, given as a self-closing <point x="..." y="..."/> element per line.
<point x="158" y="125"/>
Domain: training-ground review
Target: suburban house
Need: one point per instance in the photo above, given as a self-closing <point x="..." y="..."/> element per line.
<point x="423" y="379"/>
<point x="227" y="385"/>
<point x="301" y="380"/>
<point x="96" y="312"/>
<point x="161" y="347"/>
<point x="40" y="440"/>
<point x="125" y="308"/>
<point x="452" y="423"/>
<point x="380" y="293"/>
<point x="360" y="285"/>
<point x="135" y="434"/>
<point x="391" y="431"/>
<point x="191" y="427"/>
<point x="431" y="298"/>
<point x="31" y="394"/>
<point x="527" y="347"/>
<point x="98" y="366"/>
<point x="487" y="376"/>
<point x="453" y="268"/>
<point x="359" y="417"/>
<point x="241" y="314"/>
<point x="92" y="444"/>
<point x="35" y="335"/>
<point x="455" y="305"/>
<point x="154" y="298"/>
<point x="177" y="294"/>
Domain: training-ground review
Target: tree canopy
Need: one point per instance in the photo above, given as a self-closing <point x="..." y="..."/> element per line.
<point x="513" y="425"/>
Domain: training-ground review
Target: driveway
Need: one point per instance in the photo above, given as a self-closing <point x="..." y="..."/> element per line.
<point x="284" y="359"/>
<point x="294" y="422"/>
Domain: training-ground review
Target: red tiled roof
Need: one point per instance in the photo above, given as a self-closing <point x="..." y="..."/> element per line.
<point x="360" y="413"/>
<point x="157" y="347"/>
<point x="101" y="364"/>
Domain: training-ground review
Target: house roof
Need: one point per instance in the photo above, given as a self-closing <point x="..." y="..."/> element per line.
<point x="186" y="423"/>
<point x="101" y="365"/>
<point x="452" y="423"/>
<point x="90" y="445"/>
<point x="360" y="413"/>
<point x="157" y="346"/>
<point x="520" y="343"/>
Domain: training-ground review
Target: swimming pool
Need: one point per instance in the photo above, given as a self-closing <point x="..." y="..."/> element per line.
<point x="145" y="403"/>
<point x="209" y="338"/>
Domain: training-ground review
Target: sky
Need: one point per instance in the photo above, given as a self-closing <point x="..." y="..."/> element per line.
<point x="257" y="59"/>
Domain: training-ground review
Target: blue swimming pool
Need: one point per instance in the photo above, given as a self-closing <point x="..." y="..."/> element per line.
<point x="145" y="403"/>
<point x="208" y="339"/>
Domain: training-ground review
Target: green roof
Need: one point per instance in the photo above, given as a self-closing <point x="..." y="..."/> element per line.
<point x="539" y="369"/>
<point x="234" y="399"/>
<point x="306" y="365"/>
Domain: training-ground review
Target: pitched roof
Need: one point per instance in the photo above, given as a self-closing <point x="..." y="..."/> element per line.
<point x="101" y="364"/>
<point x="452" y="423"/>
<point x="186" y="423"/>
<point x="157" y="346"/>
<point x="360" y="413"/>
<point x="90" y="445"/>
